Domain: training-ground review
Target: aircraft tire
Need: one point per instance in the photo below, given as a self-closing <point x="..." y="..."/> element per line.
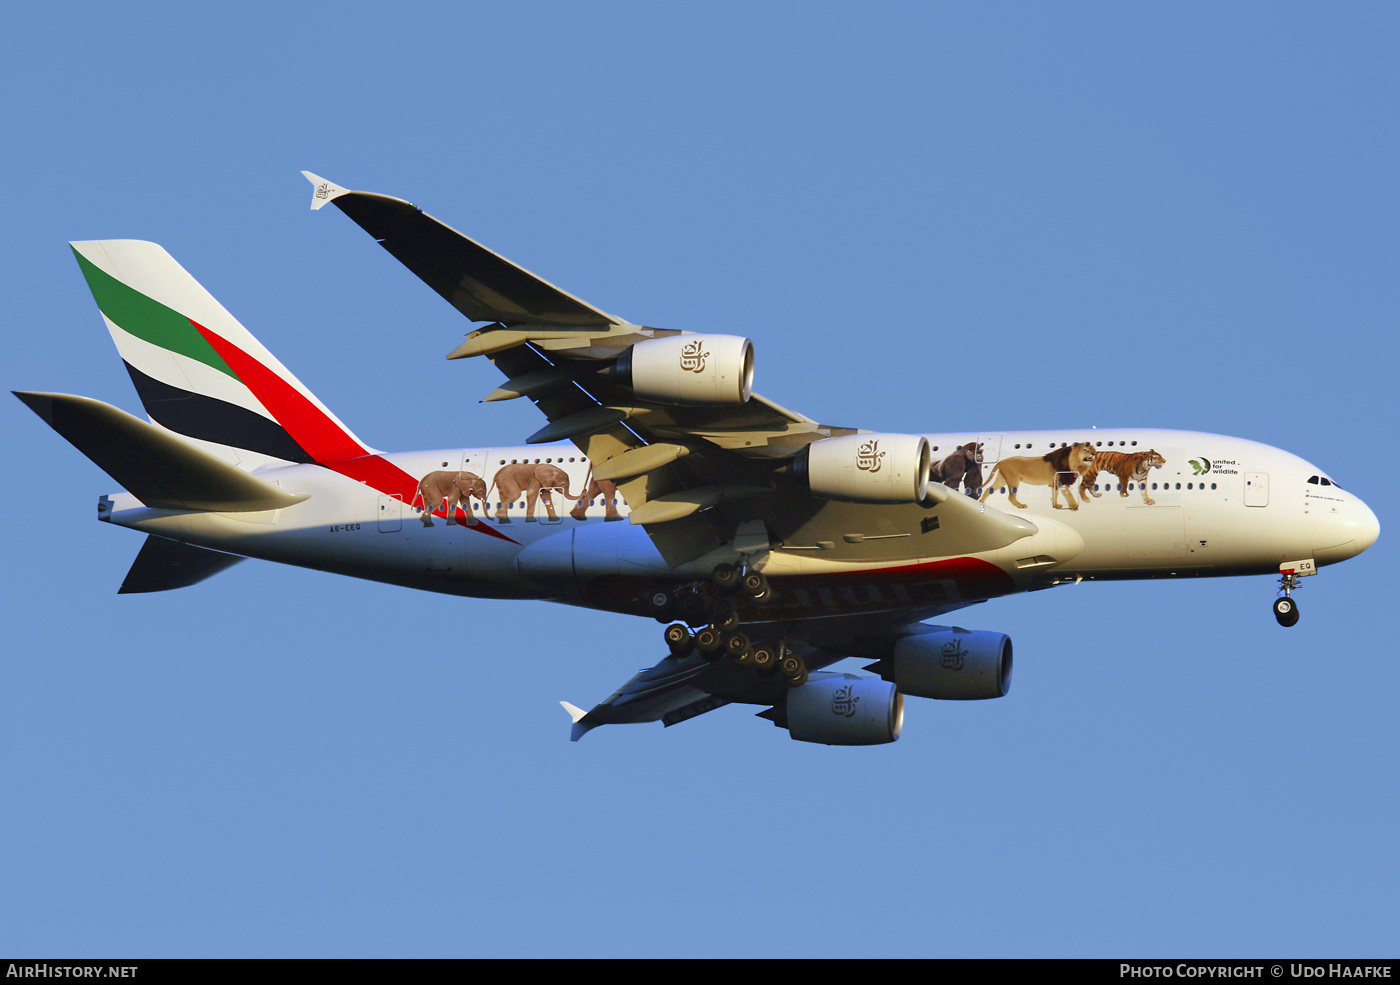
<point x="679" y="640"/>
<point x="723" y="615"/>
<point x="738" y="647"/>
<point x="662" y="605"/>
<point x="694" y="607"/>
<point x="708" y="641"/>
<point x="790" y="665"/>
<point x="1286" y="611"/>
<point x="755" y="586"/>
<point x="765" y="659"/>
<point x="726" y="577"/>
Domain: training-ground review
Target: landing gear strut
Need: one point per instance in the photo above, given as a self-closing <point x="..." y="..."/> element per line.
<point x="1285" y="609"/>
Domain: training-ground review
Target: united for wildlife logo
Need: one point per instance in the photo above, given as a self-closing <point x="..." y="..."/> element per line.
<point x="843" y="703"/>
<point x="693" y="357"/>
<point x="868" y="456"/>
<point x="1200" y="466"/>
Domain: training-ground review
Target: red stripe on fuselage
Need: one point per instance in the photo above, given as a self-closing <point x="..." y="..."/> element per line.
<point x="324" y="440"/>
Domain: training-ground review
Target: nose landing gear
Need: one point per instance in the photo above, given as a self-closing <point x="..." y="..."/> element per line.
<point x="1285" y="609"/>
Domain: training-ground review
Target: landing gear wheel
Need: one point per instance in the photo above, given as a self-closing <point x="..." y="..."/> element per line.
<point x="765" y="658"/>
<point x="661" y="605"/>
<point x="726" y="577"/>
<point x="723" y="615"/>
<point x="737" y="646"/>
<point x="755" y="586"/>
<point x="708" y="642"/>
<point x="679" y="640"/>
<point x="694" y="608"/>
<point x="1285" y="611"/>
<point x="793" y="668"/>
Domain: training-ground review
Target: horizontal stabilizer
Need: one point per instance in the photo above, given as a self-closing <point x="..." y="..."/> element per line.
<point x="165" y="564"/>
<point x="156" y="467"/>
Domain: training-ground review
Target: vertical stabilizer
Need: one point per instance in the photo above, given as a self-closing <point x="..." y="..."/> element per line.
<point x="199" y="372"/>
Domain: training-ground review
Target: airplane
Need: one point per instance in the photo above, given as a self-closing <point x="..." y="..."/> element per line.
<point x="771" y="546"/>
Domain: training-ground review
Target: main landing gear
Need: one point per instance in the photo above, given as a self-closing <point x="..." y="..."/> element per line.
<point x="704" y="603"/>
<point x="1285" y="609"/>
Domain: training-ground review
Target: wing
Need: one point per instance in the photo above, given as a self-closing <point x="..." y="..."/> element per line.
<point x="678" y="689"/>
<point x="697" y="477"/>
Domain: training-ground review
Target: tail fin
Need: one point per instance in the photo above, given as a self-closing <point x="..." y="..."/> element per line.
<point x="200" y="373"/>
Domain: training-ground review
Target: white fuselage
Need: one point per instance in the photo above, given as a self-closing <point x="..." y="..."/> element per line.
<point x="1214" y="506"/>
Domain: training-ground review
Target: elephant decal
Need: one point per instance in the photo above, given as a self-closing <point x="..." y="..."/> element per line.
<point x="536" y="482"/>
<point x="450" y="489"/>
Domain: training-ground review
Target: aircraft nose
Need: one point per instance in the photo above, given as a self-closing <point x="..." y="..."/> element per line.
<point x="1367" y="527"/>
<point x="1350" y="529"/>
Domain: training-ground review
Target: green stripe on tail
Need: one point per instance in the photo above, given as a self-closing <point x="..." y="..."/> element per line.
<point x="147" y="318"/>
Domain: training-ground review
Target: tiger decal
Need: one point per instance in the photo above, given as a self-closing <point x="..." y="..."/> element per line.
<point x="1128" y="467"/>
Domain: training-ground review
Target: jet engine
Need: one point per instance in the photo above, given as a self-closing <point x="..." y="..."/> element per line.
<point x="845" y="710"/>
<point x="690" y="369"/>
<point x="867" y="468"/>
<point x="949" y="663"/>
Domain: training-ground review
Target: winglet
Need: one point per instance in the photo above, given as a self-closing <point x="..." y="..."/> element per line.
<point x="325" y="191"/>
<point x="580" y="726"/>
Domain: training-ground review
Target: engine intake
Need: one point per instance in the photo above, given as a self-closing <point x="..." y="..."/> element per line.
<point x="951" y="664"/>
<point x="867" y="468"/>
<point x="690" y="369"/>
<point x="845" y="710"/>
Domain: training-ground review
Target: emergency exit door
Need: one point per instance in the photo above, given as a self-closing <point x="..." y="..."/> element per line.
<point x="1256" y="489"/>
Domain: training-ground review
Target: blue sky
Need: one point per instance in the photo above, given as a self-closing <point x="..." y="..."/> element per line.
<point x="928" y="217"/>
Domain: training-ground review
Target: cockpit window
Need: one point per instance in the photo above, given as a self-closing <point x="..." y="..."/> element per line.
<point x="1313" y="480"/>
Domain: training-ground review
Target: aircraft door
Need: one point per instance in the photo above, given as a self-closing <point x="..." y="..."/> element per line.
<point x="988" y="453"/>
<point x="989" y="448"/>
<point x="554" y="483"/>
<point x="474" y="465"/>
<point x="390" y="514"/>
<point x="1256" y="489"/>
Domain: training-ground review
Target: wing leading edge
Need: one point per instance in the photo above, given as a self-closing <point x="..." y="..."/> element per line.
<point x="482" y="285"/>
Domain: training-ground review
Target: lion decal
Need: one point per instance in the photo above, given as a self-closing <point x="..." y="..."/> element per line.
<point x="1061" y="467"/>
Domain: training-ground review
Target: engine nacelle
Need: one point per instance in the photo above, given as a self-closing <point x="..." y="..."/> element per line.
<point x="952" y="664"/>
<point x="867" y="468"/>
<point x="845" y="710"/>
<point x="690" y="369"/>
